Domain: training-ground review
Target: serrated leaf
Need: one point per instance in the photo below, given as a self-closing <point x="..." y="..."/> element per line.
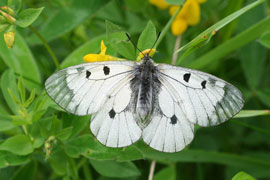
<point x="115" y="169"/>
<point x="28" y="16"/>
<point x="19" y="144"/>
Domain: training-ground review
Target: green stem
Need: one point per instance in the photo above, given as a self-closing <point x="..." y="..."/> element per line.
<point x="263" y="131"/>
<point x="47" y="46"/>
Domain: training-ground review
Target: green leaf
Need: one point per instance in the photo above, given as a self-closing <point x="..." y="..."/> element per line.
<point x="67" y="18"/>
<point x="168" y="173"/>
<point x="5" y="123"/>
<point x="220" y="24"/>
<point x="64" y="134"/>
<point x="264" y="96"/>
<point x="3" y="27"/>
<point x="19" y="144"/>
<point x="243" y="176"/>
<point x="115" y="169"/>
<point x="21" y="89"/>
<point x="28" y="16"/>
<point x="10" y="159"/>
<point x="253" y="57"/>
<point x="76" y="57"/>
<point x="235" y="43"/>
<point x="8" y="81"/>
<point x="27" y="171"/>
<point x="119" y="41"/>
<point x="166" y="28"/>
<point x="252" y="113"/>
<point x="147" y="37"/>
<point x="265" y="40"/>
<point x="30" y="99"/>
<point x="228" y="159"/>
<point x="87" y="146"/>
<point x="21" y="61"/>
<point x="58" y="161"/>
<point x="175" y="2"/>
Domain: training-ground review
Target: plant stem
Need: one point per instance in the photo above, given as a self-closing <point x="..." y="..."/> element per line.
<point x="152" y="169"/>
<point x="176" y="47"/>
<point x="47" y="46"/>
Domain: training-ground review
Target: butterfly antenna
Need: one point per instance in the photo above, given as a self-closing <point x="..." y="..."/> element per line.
<point x="133" y="43"/>
<point x="155" y="42"/>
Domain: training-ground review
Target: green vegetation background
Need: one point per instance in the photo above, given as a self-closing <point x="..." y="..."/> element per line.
<point x="38" y="140"/>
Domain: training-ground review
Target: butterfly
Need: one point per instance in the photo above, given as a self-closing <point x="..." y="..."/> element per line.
<point x="129" y="100"/>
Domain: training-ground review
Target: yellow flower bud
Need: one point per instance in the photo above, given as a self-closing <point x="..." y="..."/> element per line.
<point x="161" y="4"/>
<point x="9" y="38"/>
<point x="191" y="12"/>
<point x="179" y="26"/>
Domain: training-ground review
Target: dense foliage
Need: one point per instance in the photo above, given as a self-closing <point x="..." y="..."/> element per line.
<point x="38" y="140"/>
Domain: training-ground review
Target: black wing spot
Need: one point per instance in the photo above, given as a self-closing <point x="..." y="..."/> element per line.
<point x="88" y="74"/>
<point x="112" y="114"/>
<point x="173" y="119"/>
<point x="203" y="84"/>
<point x="186" y="77"/>
<point x="106" y="70"/>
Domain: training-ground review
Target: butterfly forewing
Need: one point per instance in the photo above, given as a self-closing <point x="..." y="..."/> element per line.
<point x="205" y="99"/>
<point x="84" y="88"/>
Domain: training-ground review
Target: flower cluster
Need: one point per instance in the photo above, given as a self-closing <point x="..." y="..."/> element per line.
<point x="189" y="15"/>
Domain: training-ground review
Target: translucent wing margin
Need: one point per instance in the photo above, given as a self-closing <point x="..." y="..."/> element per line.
<point x="84" y="88"/>
<point x="205" y="99"/>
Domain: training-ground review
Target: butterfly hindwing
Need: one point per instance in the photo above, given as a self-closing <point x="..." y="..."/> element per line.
<point x="169" y="130"/>
<point x="205" y="99"/>
<point x="83" y="89"/>
<point x="115" y="124"/>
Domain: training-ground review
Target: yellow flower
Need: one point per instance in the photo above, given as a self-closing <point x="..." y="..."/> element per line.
<point x="179" y="26"/>
<point x="9" y="38"/>
<point x="189" y="15"/>
<point x="142" y="54"/>
<point x="191" y="12"/>
<point x="101" y="56"/>
<point x="161" y="4"/>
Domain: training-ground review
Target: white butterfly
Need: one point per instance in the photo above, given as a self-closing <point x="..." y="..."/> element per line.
<point x="159" y="103"/>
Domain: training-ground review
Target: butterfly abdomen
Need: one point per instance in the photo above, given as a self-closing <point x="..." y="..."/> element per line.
<point x="145" y="86"/>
